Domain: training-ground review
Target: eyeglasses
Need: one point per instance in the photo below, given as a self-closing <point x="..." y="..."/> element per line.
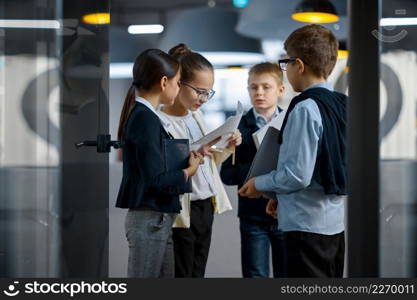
<point x="201" y="94"/>
<point x="284" y="62"/>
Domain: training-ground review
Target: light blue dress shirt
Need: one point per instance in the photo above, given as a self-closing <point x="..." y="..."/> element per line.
<point x="261" y="120"/>
<point x="302" y="203"/>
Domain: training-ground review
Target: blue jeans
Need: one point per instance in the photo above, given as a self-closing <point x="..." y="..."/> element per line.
<point x="257" y="237"/>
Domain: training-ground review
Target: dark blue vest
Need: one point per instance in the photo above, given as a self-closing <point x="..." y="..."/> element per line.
<point x="331" y="168"/>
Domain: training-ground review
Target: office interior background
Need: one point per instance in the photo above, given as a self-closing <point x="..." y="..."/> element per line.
<point x="65" y="67"/>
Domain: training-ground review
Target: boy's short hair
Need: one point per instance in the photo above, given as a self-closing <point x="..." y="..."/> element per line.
<point x="268" y="68"/>
<point x="316" y="46"/>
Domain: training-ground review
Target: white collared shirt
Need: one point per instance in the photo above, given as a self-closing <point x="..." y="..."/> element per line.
<point x="164" y="121"/>
<point x="203" y="181"/>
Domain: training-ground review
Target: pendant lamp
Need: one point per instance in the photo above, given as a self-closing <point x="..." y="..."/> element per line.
<point x="315" y="11"/>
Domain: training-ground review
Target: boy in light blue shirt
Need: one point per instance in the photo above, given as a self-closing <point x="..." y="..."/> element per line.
<point x="310" y="179"/>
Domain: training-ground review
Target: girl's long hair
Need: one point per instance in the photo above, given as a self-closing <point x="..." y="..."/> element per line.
<point x="149" y="68"/>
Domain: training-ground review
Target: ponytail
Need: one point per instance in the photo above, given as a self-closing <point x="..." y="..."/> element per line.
<point x="127" y="108"/>
<point x="149" y="67"/>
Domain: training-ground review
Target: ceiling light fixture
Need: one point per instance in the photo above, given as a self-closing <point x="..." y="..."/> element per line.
<point x="398" y="21"/>
<point x="145" y="29"/>
<point x="271" y="20"/>
<point x="97" y="18"/>
<point x="30" y="24"/>
<point x="315" y="11"/>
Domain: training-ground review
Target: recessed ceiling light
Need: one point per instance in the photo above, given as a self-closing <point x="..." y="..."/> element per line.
<point x="398" y="21"/>
<point x="30" y="24"/>
<point x="145" y="29"/>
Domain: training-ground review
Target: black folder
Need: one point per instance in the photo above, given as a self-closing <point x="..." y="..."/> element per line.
<point x="266" y="158"/>
<point x="176" y="156"/>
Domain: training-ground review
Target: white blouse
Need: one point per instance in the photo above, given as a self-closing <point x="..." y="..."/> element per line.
<point x="202" y="181"/>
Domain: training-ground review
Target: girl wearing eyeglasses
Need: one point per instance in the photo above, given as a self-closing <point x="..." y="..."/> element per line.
<point x="193" y="226"/>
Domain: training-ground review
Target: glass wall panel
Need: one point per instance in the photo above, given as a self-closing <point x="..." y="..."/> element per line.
<point x="398" y="138"/>
<point x="53" y="94"/>
<point x="30" y="138"/>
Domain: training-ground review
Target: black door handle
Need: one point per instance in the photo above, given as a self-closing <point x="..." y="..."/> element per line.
<point x="103" y="143"/>
<point x="86" y="143"/>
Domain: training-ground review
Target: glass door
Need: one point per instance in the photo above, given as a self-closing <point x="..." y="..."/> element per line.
<point x="398" y="139"/>
<point x="54" y="95"/>
<point x="382" y="131"/>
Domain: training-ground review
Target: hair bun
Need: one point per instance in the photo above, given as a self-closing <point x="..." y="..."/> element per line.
<point x="179" y="50"/>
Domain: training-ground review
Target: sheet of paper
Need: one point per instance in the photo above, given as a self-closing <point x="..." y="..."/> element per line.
<point x="225" y="131"/>
<point x="276" y="122"/>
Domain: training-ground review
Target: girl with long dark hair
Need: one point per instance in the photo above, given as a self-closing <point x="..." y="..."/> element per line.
<point x="148" y="190"/>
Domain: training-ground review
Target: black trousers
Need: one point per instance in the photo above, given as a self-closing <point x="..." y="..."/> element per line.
<point x="191" y="245"/>
<point x="314" y="255"/>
